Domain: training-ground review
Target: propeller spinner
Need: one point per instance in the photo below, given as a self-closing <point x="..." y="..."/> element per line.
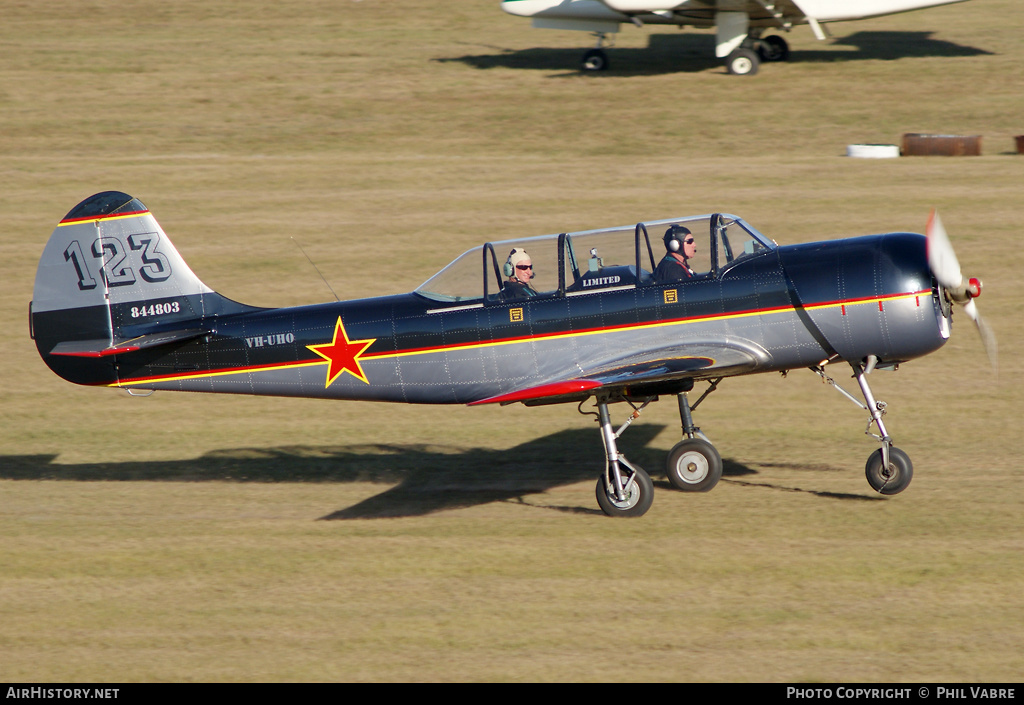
<point x="946" y="269"/>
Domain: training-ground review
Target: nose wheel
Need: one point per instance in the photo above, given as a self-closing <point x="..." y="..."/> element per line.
<point x="892" y="478"/>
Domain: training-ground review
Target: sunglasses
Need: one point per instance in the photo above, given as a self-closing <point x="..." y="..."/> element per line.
<point x="689" y="241"/>
<point x="524" y="266"/>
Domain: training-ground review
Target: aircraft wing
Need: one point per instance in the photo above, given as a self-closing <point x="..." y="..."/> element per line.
<point x="782" y="10"/>
<point x="686" y="360"/>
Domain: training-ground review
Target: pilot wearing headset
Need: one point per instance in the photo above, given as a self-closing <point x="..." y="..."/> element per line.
<point x="681" y="247"/>
<point x="519" y="270"/>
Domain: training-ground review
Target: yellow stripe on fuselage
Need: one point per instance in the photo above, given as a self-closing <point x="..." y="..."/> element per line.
<point x="514" y="341"/>
<point x="92" y="219"/>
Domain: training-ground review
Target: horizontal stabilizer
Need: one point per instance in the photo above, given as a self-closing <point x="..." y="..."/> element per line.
<point x="103" y="348"/>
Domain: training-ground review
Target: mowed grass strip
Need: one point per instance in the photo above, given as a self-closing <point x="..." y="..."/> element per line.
<point x="202" y="538"/>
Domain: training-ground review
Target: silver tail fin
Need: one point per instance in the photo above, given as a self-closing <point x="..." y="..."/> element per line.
<point x="110" y="282"/>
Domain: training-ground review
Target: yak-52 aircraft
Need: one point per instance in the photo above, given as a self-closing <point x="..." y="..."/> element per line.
<point x="739" y="24"/>
<point x="115" y="305"/>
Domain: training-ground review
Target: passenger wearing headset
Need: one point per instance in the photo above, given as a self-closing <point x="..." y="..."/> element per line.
<point x="675" y="266"/>
<point x="519" y="270"/>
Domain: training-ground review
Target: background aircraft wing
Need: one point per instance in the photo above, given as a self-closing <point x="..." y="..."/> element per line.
<point x="695" y="359"/>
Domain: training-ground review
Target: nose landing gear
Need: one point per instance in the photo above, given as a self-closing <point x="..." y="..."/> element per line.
<point x="891" y="478"/>
<point x="888" y="469"/>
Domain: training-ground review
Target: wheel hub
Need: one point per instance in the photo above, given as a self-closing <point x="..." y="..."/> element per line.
<point x="632" y="496"/>
<point x="693" y="467"/>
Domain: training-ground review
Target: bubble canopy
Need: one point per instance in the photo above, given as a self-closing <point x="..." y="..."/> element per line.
<point x="589" y="261"/>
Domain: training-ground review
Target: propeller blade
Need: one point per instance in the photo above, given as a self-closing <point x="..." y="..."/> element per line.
<point x="988" y="338"/>
<point x="946" y="269"/>
<point x="941" y="258"/>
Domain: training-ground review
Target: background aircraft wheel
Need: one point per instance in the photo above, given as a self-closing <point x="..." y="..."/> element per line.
<point x="694" y="466"/>
<point x="773" y="48"/>
<point x="641" y="495"/>
<point x="595" y="60"/>
<point x="742" y="62"/>
<point x="891" y="480"/>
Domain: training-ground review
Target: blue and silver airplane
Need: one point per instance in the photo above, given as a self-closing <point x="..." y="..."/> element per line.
<point x="624" y="314"/>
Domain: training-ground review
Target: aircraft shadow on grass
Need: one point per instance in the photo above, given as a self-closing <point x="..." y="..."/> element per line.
<point x="424" y="478"/>
<point x="693" y="53"/>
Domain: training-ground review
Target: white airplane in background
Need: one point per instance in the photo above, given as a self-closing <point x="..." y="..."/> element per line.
<point x="738" y="24"/>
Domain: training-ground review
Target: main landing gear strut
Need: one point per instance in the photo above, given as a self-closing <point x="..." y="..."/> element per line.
<point x="624" y="489"/>
<point x="694" y="465"/>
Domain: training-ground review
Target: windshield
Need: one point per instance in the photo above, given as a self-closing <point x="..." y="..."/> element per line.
<point x="459" y="281"/>
<point x="737" y="239"/>
<point x="463" y="280"/>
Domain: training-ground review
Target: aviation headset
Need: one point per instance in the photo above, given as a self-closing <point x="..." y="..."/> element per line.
<point x="510" y="268"/>
<point x="674" y="237"/>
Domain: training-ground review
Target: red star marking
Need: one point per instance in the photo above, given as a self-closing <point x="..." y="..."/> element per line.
<point x="343" y="354"/>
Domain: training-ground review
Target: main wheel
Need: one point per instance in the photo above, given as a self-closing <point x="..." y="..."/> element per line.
<point x="893" y="479"/>
<point x="637" y="502"/>
<point x="694" y="465"/>
<point x="595" y="60"/>
<point x="742" y="62"/>
<point x="773" y="48"/>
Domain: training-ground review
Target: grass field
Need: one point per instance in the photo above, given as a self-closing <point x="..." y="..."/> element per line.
<point x="207" y="538"/>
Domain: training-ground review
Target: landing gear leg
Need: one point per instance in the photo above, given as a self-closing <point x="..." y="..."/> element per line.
<point x="694" y="464"/>
<point x="596" y="59"/>
<point x="888" y="469"/>
<point x="733" y="43"/>
<point x="624" y="489"/>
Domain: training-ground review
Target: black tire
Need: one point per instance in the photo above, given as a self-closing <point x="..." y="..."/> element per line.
<point x="742" y="62"/>
<point x="595" y="60"/>
<point x="694" y="465"/>
<point x="894" y="479"/>
<point x="640" y="498"/>
<point x="773" y="48"/>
